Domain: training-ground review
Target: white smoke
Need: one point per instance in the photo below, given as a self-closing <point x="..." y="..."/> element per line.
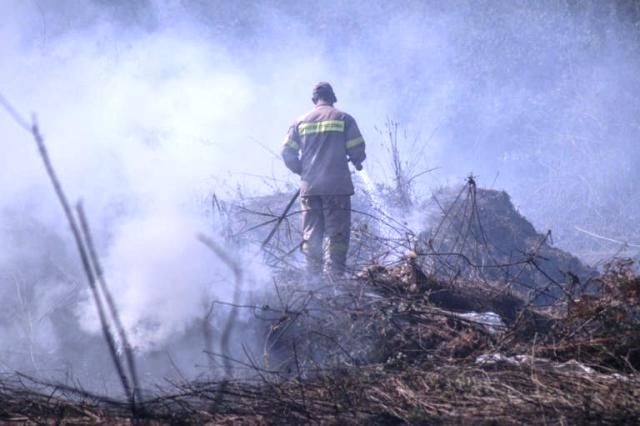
<point x="148" y="107"/>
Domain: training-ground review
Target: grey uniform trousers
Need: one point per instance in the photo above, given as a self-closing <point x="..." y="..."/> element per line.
<point x="326" y="216"/>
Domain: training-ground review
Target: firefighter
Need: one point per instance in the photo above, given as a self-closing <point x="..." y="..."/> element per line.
<point x="318" y="147"/>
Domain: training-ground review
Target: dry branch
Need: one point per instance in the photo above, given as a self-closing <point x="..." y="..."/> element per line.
<point x="80" y="245"/>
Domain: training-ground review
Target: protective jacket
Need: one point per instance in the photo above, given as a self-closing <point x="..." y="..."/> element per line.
<point x="319" y="146"/>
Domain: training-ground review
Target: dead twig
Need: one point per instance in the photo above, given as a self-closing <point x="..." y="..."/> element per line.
<point x="34" y="130"/>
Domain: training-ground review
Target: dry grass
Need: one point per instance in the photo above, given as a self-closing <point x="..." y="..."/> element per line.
<point x="397" y="353"/>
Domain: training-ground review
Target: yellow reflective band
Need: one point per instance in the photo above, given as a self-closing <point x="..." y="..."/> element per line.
<point x="292" y="144"/>
<point x="354" y="142"/>
<point x="321" y="127"/>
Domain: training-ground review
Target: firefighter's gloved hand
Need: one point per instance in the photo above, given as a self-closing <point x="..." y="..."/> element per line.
<point x="358" y="166"/>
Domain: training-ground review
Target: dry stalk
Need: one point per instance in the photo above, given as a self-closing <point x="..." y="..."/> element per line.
<point x="85" y="257"/>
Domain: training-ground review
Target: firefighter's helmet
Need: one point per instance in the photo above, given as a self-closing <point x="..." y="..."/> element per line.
<point x="325" y="91"/>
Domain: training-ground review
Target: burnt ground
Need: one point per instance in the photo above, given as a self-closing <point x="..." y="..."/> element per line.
<point x="392" y="347"/>
<point x="478" y="320"/>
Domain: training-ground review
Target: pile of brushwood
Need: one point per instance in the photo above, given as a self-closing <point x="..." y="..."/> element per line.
<point x="479" y="235"/>
<point x="394" y="346"/>
<point x="477" y="319"/>
<point x="466" y="233"/>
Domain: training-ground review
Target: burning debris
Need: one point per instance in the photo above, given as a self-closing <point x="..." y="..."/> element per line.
<point x="451" y="330"/>
<point x="394" y="347"/>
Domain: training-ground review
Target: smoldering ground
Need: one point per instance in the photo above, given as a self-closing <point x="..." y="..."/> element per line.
<point x="150" y="107"/>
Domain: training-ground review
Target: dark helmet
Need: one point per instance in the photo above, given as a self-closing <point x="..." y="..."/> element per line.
<point x="325" y="91"/>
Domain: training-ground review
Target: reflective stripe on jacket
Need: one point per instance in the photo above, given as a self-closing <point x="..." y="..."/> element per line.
<point x="319" y="146"/>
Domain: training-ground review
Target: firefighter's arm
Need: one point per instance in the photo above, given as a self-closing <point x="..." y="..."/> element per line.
<point x="354" y="143"/>
<point x="291" y="151"/>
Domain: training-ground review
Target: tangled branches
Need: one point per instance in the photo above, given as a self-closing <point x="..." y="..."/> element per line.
<point x="393" y="347"/>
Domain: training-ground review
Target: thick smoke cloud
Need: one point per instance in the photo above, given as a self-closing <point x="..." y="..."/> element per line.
<point x="149" y="107"/>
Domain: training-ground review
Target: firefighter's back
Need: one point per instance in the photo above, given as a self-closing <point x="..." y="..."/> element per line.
<point x="325" y="170"/>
